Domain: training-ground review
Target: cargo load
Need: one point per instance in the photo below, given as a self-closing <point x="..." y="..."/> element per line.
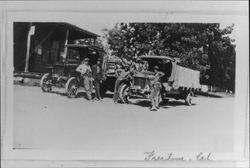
<point x="185" y="77"/>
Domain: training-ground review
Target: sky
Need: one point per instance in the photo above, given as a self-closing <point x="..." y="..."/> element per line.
<point x="97" y="27"/>
<point x="106" y="15"/>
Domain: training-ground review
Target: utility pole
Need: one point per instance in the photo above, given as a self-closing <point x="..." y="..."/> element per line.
<point x="65" y="44"/>
<point x="30" y="33"/>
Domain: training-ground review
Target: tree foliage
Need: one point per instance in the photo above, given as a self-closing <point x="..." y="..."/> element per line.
<point x="203" y="47"/>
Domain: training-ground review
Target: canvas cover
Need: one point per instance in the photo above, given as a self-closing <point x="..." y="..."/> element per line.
<point x="185" y="77"/>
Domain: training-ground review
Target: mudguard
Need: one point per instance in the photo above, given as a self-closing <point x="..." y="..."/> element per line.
<point x="125" y="77"/>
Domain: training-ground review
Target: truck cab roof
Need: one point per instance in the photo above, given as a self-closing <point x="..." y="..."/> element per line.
<point x="82" y="46"/>
<point x="156" y="57"/>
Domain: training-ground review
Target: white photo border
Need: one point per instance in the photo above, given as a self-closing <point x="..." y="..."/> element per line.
<point x="156" y="11"/>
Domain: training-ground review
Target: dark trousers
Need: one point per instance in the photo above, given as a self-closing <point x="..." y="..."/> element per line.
<point x="97" y="89"/>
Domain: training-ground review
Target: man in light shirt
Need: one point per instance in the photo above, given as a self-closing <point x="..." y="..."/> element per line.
<point x="86" y="73"/>
<point x="156" y="89"/>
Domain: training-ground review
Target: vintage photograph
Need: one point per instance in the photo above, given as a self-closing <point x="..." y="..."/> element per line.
<point x="124" y="84"/>
<point x="144" y="86"/>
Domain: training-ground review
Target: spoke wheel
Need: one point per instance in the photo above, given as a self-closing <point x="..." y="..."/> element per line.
<point x="71" y="87"/>
<point x="189" y="98"/>
<point x="124" y="93"/>
<point x="46" y="83"/>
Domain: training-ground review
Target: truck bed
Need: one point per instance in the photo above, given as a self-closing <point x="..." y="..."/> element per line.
<point x="185" y="77"/>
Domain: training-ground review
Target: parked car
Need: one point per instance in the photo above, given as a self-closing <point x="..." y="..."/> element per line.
<point x="64" y="75"/>
<point x="178" y="82"/>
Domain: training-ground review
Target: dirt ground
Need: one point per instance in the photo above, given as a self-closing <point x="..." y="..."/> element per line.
<point x="53" y="121"/>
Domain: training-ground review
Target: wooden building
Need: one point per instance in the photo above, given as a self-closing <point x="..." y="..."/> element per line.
<point x="40" y="44"/>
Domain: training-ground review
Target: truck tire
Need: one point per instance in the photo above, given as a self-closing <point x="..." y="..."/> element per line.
<point x="71" y="87"/>
<point x="123" y="93"/>
<point x="189" y="97"/>
<point x="46" y="83"/>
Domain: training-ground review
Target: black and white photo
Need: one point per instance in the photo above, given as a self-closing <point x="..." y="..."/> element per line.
<point x="125" y="83"/>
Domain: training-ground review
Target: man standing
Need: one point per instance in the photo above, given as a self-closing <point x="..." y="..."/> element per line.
<point x="156" y="88"/>
<point x="98" y="77"/>
<point x="86" y="73"/>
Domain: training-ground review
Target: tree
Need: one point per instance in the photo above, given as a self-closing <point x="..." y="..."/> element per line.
<point x="202" y="47"/>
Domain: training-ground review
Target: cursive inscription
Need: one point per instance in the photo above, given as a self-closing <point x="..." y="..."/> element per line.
<point x="151" y="156"/>
<point x="201" y="156"/>
<point x="171" y="157"/>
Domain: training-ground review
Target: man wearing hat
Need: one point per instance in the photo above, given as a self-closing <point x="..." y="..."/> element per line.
<point x="86" y="73"/>
<point x="97" y="74"/>
<point x="156" y="88"/>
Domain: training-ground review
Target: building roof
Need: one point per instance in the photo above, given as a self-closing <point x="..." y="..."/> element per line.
<point x="78" y="32"/>
<point x="75" y="32"/>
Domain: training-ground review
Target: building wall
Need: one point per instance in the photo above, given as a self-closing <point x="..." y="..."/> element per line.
<point x="20" y="45"/>
<point x="43" y="50"/>
<point x="46" y="45"/>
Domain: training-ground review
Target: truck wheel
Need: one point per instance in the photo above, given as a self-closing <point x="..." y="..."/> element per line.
<point x="188" y="99"/>
<point x="71" y="87"/>
<point x="123" y="92"/>
<point x="46" y="83"/>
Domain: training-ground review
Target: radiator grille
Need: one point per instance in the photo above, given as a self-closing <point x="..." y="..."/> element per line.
<point x="138" y="81"/>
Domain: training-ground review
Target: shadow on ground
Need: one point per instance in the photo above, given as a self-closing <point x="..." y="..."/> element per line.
<point x="174" y="103"/>
<point x="207" y="94"/>
<point x="80" y="94"/>
<point x="57" y="92"/>
<point x="215" y="94"/>
<point x="163" y="104"/>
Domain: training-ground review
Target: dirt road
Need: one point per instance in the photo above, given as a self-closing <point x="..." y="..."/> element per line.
<point x="50" y="120"/>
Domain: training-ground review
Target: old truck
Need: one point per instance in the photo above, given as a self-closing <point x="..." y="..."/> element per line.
<point x="63" y="74"/>
<point x="178" y="82"/>
<point x="112" y="66"/>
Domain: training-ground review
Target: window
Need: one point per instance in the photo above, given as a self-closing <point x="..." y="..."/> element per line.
<point x="54" y="52"/>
